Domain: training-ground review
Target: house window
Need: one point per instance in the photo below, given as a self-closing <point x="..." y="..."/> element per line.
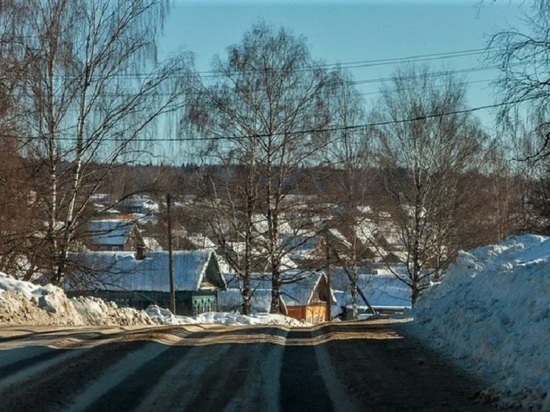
<point x="203" y="304"/>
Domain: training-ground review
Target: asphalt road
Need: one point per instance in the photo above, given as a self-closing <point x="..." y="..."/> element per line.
<point x="363" y="366"/>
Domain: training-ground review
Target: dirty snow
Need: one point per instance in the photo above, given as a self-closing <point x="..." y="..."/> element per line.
<point x="491" y="312"/>
<point x="24" y="303"/>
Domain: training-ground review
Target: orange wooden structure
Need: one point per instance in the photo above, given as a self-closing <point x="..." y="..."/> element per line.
<point x="308" y="299"/>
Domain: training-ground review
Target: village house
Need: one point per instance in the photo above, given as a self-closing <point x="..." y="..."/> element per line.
<point x="308" y="299"/>
<point x="304" y="295"/>
<point x="114" y="235"/>
<point x="138" y="283"/>
<point x="142" y="206"/>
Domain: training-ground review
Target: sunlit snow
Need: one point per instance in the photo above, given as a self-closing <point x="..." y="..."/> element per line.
<point x="491" y="312"/>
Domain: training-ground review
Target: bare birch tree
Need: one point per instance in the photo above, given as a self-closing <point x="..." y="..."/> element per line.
<point x="16" y="220"/>
<point x="349" y="156"/>
<point x="264" y="111"/>
<point x="90" y="90"/>
<point x="524" y="82"/>
<point x="229" y="196"/>
<point x="425" y="142"/>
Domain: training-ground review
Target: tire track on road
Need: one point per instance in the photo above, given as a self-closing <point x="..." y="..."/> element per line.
<point x="302" y="386"/>
<point x="50" y="384"/>
<point x="221" y="376"/>
<point x="42" y="378"/>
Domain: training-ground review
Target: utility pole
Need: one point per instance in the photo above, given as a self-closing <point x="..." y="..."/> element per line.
<point x="327" y="257"/>
<point x="170" y="256"/>
<point x="351" y="279"/>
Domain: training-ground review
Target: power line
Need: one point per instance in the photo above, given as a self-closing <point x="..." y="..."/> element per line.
<point x="362" y="126"/>
<point x="346" y="65"/>
<point x="162" y="94"/>
<point x="313" y="131"/>
<point x="416" y="58"/>
<point x="380" y="62"/>
<point x="353" y="82"/>
<point x="429" y="74"/>
<point x="466" y="83"/>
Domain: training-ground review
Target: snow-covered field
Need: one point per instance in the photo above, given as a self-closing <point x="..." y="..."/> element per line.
<point x="491" y="313"/>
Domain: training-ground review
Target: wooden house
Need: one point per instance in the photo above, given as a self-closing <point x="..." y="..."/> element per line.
<point x="114" y="235"/>
<point x="305" y="295"/>
<point x="141" y="206"/>
<point x="308" y="299"/>
<point x="138" y="283"/>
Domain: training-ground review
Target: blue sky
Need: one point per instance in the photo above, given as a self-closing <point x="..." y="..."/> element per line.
<point x="354" y="31"/>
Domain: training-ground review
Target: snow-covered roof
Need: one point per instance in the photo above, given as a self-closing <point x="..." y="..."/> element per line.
<point x="299" y="293"/>
<point x="109" y="232"/>
<point x="260" y="223"/>
<point x="381" y="291"/>
<point x="257" y="281"/>
<point x="364" y="209"/>
<point x="365" y="230"/>
<point x="121" y="271"/>
<point x="139" y="202"/>
<point x="337" y="235"/>
<point x="302" y="246"/>
<point x="297" y="287"/>
<point x="152" y="244"/>
<point x="201" y="241"/>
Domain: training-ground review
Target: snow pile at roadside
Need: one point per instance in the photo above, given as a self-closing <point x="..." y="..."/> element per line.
<point x="165" y="317"/>
<point x="99" y="312"/>
<point x="492" y="312"/>
<point x="24" y="303"/>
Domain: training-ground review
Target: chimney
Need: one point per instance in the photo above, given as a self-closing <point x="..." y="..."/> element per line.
<point x="140" y="252"/>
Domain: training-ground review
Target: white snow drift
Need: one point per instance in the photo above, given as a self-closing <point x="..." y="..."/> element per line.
<point x="24" y="303"/>
<point x="492" y="312"/>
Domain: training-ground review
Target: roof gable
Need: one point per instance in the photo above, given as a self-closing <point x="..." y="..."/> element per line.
<point x="305" y="288"/>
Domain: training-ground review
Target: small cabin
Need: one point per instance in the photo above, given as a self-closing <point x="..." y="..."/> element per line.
<point x="304" y="295"/>
<point x="138" y="283"/>
<point x="114" y="235"/>
<point x="308" y="299"/>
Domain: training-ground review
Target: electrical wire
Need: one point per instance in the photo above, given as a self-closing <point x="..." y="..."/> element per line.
<point x="311" y="131"/>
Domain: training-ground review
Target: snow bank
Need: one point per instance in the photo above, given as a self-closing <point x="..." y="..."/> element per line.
<point x="165" y="317"/>
<point x="24" y="303"/>
<point x="492" y="312"/>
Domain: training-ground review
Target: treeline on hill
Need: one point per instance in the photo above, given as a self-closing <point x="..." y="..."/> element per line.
<point x="494" y="208"/>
